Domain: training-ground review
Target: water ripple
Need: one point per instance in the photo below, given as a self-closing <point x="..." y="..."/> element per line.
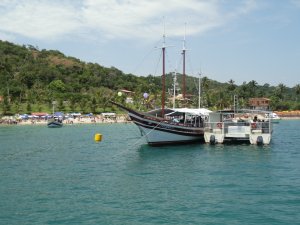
<point x="61" y="176"/>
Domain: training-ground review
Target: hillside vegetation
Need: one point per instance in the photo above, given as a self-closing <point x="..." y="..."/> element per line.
<point x="32" y="79"/>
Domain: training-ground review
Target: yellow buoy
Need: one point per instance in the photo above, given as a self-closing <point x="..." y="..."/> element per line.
<point x="98" y="137"/>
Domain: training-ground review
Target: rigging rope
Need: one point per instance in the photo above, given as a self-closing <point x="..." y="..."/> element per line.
<point x="147" y="133"/>
<point x="142" y="61"/>
<point x="157" y="63"/>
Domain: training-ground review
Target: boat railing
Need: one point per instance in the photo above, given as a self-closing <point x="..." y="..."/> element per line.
<point x="239" y="127"/>
<point x="199" y="123"/>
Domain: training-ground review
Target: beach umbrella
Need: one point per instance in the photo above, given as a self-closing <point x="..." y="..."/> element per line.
<point x="59" y="114"/>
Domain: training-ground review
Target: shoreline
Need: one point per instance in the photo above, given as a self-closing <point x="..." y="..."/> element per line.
<point x="68" y="124"/>
<point x="290" y="117"/>
<point x="77" y="121"/>
<point x="94" y="121"/>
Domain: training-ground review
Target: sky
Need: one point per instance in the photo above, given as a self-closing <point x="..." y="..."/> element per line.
<point x="242" y="40"/>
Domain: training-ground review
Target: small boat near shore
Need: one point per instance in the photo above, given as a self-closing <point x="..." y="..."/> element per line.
<point x="54" y="124"/>
<point x="244" y="125"/>
<point x="57" y="118"/>
<point x="273" y="117"/>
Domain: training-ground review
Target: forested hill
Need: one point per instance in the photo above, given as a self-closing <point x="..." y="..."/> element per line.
<point x="32" y="79"/>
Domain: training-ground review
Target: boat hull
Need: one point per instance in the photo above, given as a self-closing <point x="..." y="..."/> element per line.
<point x="251" y="137"/>
<point x="159" y="131"/>
<point x="54" y="124"/>
<point x="165" y="133"/>
<point x="157" y="137"/>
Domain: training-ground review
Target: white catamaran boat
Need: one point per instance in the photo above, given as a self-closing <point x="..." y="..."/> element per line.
<point x="244" y="125"/>
<point x="169" y="126"/>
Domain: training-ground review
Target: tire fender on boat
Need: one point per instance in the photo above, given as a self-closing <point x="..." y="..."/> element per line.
<point x="259" y="140"/>
<point x="212" y="139"/>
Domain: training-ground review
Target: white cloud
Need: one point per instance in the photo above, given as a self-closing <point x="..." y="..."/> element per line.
<point x="42" y="19"/>
<point x="38" y="19"/>
<point x="143" y="18"/>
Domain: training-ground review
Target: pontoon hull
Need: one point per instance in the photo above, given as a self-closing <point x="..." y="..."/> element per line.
<point x="237" y="133"/>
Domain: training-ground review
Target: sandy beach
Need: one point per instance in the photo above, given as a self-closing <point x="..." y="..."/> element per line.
<point x="98" y="119"/>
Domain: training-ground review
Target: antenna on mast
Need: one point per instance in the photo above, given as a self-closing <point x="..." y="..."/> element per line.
<point x="163" y="73"/>
<point x="164" y="34"/>
<point x="183" y="62"/>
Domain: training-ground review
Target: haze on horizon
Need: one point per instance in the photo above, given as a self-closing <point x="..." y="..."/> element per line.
<point x="226" y="39"/>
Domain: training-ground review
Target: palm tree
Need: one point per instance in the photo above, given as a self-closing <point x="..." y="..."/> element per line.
<point x="252" y="87"/>
<point x="231" y="86"/>
<point x="205" y="86"/>
<point x="279" y="91"/>
<point x="243" y="91"/>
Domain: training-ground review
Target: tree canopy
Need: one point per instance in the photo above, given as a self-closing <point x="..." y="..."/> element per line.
<point x="32" y="79"/>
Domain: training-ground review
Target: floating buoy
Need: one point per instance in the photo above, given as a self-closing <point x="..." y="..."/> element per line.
<point x="98" y="137"/>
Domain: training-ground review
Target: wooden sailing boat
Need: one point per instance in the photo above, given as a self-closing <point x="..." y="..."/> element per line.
<point x="169" y="126"/>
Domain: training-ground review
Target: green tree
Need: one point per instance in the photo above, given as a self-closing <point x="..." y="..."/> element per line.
<point x="83" y="103"/>
<point x="93" y="105"/>
<point x="279" y="91"/>
<point x="252" y="85"/>
<point x="28" y="108"/>
<point x="231" y="85"/>
<point x="60" y="106"/>
<point x="30" y="75"/>
<point x="297" y="90"/>
<point x="6" y="105"/>
<point x="205" y="87"/>
<point x="17" y="107"/>
<point x="57" y="86"/>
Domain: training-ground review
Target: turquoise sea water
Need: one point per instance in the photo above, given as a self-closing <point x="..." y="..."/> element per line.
<point x="61" y="176"/>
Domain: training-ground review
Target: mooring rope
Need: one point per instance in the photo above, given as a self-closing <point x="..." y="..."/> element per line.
<point x="145" y="134"/>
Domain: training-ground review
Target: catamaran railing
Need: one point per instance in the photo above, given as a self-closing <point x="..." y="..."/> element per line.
<point x="239" y="127"/>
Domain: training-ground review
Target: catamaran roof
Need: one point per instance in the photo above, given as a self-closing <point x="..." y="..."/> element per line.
<point x="196" y="112"/>
<point x="180" y="111"/>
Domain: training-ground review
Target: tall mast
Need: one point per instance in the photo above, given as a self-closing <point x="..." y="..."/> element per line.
<point x="163" y="76"/>
<point x="183" y="66"/>
<point x="174" y="88"/>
